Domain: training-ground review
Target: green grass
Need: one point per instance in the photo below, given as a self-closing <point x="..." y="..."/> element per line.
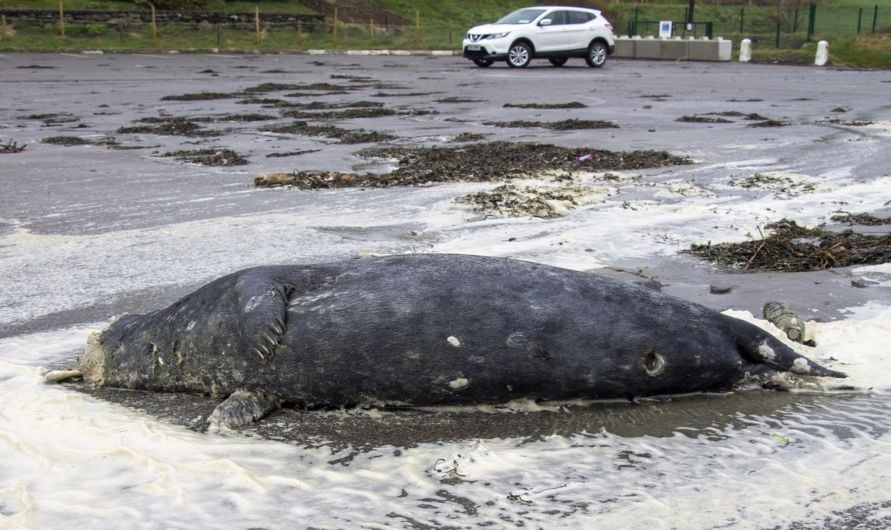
<point x="126" y="5"/>
<point x="443" y="24"/>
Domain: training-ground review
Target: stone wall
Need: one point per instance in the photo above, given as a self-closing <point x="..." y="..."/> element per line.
<point x="44" y="17"/>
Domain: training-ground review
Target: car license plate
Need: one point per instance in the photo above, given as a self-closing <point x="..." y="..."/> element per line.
<point x="473" y="47"/>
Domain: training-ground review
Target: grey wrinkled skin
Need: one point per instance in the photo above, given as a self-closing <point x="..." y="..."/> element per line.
<point x="433" y="330"/>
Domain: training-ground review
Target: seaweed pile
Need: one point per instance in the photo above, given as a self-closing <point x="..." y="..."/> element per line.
<point x="863" y="219"/>
<point x="548" y="202"/>
<point x="562" y="125"/>
<point x="209" y="157"/>
<point x="355" y="136"/>
<point x="482" y="162"/>
<point x="794" y="248"/>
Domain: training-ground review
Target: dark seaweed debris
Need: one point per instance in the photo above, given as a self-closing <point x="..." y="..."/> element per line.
<point x="562" y="125"/>
<point x="863" y="219"/>
<point x="570" y="105"/>
<point x="209" y="157"/>
<point x="169" y="127"/>
<point x="483" y="162"/>
<point x="357" y="136"/>
<point x="76" y="140"/>
<point x="12" y="147"/>
<point x="200" y="96"/>
<point x="698" y="118"/>
<point x="794" y="248"/>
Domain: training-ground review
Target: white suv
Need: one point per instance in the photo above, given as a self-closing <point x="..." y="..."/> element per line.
<point x="553" y="32"/>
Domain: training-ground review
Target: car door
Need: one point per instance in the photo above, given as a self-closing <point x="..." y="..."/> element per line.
<point x="577" y="30"/>
<point x="550" y="37"/>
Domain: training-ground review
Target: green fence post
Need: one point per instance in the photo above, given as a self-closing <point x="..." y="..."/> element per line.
<point x="795" y="22"/>
<point x="875" y="16"/>
<point x="778" y="33"/>
<point x="636" y="12"/>
<point x="811" y="20"/>
<point x="859" y="19"/>
<point x="742" y="18"/>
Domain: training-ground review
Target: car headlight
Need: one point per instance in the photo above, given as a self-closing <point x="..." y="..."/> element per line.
<point x="499" y="35"/>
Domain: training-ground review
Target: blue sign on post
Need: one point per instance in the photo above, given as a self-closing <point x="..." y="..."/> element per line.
<point x="664" y="29"/>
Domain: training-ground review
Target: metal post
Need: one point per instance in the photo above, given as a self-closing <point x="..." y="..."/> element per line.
<point x="795" y="21"/>
<point x="257" y="23"/>
<point x="61" y="20"/>
<point x="811" y="20"/>
<point x="417" y="28"/>
<point x="636" y="13"/>
<point x="334" y="28"/>
<point x="778" y="33"/>
<point x="875" y="16"/>
<point x="859" y="19"/>
<point x="219" y="35"/>
<point x="742" y="18"/>
<point x="154" y="27"/>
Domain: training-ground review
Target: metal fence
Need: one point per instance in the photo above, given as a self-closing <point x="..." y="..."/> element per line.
<point x="790" y="25"/>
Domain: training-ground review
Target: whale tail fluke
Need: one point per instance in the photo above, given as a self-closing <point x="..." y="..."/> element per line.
<point x="759" y="346"/>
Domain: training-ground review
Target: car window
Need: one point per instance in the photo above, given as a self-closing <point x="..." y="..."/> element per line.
<point x="557" y="18"/>
<point x="578" y="17"/>
<point x="521" y="16"/>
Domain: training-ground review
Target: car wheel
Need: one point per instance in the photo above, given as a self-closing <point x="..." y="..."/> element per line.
<point x="483" y="63"/>
<point x="558" y="61"/>
<point x="597" y="53"/>
<point x="519" y="55"/>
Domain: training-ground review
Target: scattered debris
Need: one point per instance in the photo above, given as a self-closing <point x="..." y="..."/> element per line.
<point x="849" y="123"/>
<point x="346" y="136"/>
<point x="308" y="180"/>
<point x="782" y="184"/>
<point x="265" y="88"/>
<point x="12" y="147"/>
<point x="780" y="314"/>
<point x="719" y="289"/>
<point x="235" y="117"/>
<point x="76" y="140"/>
<point x="570" y="105"/>
<point x="352" y="113"/>
<point x="698" y="118"/>
<point x="563" y="125"/>
<point x="292" y="153"/>
<point x="209" y="157"/>
<point x="482" y="162"/>
<point x="769" y="123"/>
<point x="53" y="118"/>
<point x="169" y="127"/>
<point x="794" y="248"/>
<point x="510" y="200"/>
<point x="864" y="219"/>
<point x="458" y="99"/>
<point x="200" y="96"/>
<point x="470" y="137"/>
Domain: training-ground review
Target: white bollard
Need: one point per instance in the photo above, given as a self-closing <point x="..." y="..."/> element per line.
<point x="822" y="53"/>
<point x="745" y="51"/>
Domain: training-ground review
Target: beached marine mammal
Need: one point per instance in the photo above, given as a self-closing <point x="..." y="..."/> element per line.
<point x="428" y="330"/>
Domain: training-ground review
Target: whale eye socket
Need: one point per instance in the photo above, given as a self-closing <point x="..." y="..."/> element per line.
<point x="653" y="363"/>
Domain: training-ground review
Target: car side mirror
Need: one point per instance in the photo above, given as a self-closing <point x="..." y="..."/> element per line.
<point x="545" y="22"/>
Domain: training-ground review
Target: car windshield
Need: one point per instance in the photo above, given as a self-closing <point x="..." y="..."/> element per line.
<point x="522" y="16"/>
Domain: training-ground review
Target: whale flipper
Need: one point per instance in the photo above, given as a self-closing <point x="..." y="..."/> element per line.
<point x="242" y="407"/>
<point x="759" y="346"/>
<point x="263" y="300"/>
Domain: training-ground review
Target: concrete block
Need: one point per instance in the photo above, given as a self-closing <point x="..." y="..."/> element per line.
<point x="625" y="47"/>
<point x="649" y="48"/>
<point x="710" y="50"/>
<point x="674" y="49"/>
